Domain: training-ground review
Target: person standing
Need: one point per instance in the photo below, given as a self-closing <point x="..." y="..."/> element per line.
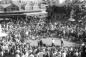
<point x="17" y="53"/>
<point x="64" y="54"/>
<point x="31" y="55"/>
<point x="83" y="53"/>
<point x="26" y="54"/>
<point x="23" y="55"/>
<point x="40" y="54"/>
<point x="53" y="41"/>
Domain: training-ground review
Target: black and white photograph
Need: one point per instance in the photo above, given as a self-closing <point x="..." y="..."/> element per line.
<point x="42" y="28"/>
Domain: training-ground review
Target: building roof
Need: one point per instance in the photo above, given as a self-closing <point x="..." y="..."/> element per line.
<point x="14" y="2"/>
<point x="18" y="4"/>
<point x="5" y="5"/>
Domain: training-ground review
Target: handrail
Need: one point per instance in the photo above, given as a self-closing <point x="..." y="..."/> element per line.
<point x="23" y="11"/>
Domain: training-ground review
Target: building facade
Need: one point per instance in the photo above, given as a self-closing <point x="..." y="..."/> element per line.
<point x="12" y="7"/>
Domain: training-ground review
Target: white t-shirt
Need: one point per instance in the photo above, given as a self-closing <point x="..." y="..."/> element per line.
<point x="40" y="54"/>
<point x="64" y="54"/>
<point x="17" y="55"/>
<point x="26" y="55"/>
<point x="31" y="55"/>
<point x="53" y="41"/>
<point x="76" y="53"/>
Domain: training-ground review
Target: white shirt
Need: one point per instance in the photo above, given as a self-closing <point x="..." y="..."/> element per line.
<point x="64" y="54"/>
<point x="76" y="53"/>
<point x="26" y="55"/>
<point x="17" y="55"/>
<point x="31" y="55"/>
<point x="40" y="54"/>
<point x="53" y="40"/>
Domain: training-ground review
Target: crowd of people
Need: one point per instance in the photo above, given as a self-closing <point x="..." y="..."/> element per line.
<point x="23" y="51"/>
<point x="16" y="43"/>
<point x="19" y="31"/>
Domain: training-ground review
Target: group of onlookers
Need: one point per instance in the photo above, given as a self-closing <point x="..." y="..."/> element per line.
<point x="16" y="44"/>
<point x="25" y="50"/>
<point x="35" y="26"/>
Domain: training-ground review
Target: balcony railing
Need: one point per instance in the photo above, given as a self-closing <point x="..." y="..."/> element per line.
<point x="23" y="11"/>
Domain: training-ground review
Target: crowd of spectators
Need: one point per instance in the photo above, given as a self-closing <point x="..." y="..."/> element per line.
<point x="23" y="51"/>
<point x="16" y="43"/>
<point x="20" y="31"/>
